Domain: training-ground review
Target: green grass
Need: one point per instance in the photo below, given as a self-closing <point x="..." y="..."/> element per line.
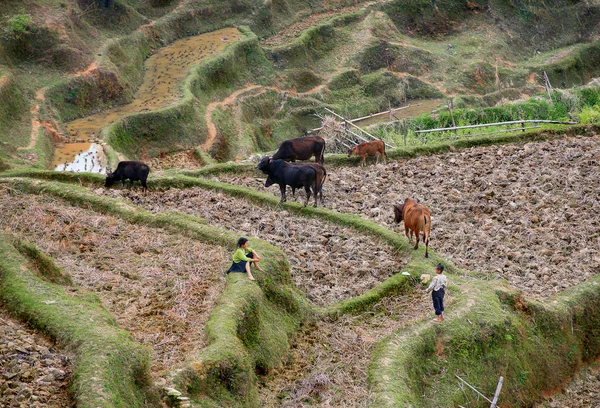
<point x="110" y="369"/>
<point x="222" y="370"/>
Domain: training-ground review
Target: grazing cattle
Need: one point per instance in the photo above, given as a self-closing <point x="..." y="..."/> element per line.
<point x="286" y="174"/>
<point x="416" y="219"/>
<point x="132" y="170"/>
<point x="321" y="176"/>
<point x="374" y="148"/>
<point x="302" y="148"/>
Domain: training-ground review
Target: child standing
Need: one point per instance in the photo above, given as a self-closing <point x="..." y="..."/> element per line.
<point x="438" y="285"/>
<point x="241" y="262"/>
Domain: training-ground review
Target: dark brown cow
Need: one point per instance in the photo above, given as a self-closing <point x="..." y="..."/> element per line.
<point x="416" y="219"/>
<point x="321" y="176"/>
<point x="374" y="148"/>
<point x="302" y="148"/>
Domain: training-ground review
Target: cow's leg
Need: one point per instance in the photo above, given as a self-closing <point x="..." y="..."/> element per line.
<point x="282" y="188"/>
<point x="362" y="162"/>
<point x="408" y="233"/>
<point x="377" y="158"/>
<point x="307" y="189"/>
<point x="316" y="191"/>
<point x="418" y="236"/>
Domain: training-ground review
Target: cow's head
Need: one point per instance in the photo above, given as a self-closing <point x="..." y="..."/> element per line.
<point x="110" y="178"/>
<point x="398" y="210"/>
<point x="269" y="182"/>
<point x="351" y="151"/>
<point x="264" y="164"/>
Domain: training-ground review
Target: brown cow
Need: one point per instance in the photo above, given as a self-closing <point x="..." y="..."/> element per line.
<point x="301" y="148"/>
<point x="374" y="148"/>
<point x="416" y="219"/>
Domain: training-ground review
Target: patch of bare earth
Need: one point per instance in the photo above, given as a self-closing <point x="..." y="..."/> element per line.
<point x="33" y="372"/>
<point x="160" y="286"/>
<point x="180" y="160"/>
<point x="329" y="263"/>
<point x="582" y="391"/>
<point x="327" y="364"/>
<point x="528" y="213"/>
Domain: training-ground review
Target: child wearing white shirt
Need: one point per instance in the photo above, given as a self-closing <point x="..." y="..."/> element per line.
<point x="438" y="285"/>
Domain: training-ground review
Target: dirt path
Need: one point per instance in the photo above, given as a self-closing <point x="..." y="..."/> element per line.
<point x="232" y="99"/>
<point x="35" y="119"/>
<point x="212" y="129"/>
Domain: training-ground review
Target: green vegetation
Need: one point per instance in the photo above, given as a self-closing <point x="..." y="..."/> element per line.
<point x="533" y="346"/>
<point x="110" y="369"/>
<point x="357" y="62"/>
<point x="580" y="104"/>
<point x="222" y="370"/>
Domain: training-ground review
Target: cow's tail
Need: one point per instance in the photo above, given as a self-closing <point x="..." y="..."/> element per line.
<point x="322" y="160"/>
<point x="426" y="233"/>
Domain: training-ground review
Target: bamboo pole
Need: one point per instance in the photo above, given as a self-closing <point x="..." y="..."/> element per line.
<point x="497" y="394"/>
<point x="352" y="124"/>
<point x="496" y="124"/>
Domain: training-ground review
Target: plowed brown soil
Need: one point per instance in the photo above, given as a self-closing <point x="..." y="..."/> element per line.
<point x="160" y="286"/>
<point x="329" y="263"/>
<point x="527" y="213"/>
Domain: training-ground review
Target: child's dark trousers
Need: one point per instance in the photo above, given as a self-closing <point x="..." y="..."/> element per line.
<point x="438" y="301"/>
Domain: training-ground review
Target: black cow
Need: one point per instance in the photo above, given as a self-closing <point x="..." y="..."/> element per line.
<point x="302" y="148"/>
<point x="285" y="174"/>
<point x="132" y="170"/>
<point x="321" y="176"/>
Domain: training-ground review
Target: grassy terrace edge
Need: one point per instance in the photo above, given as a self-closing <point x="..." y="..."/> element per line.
<point x="518" y="338"/>
<point x="110" y="369"/>
<point x="535" y="346"/>
<point x="225" y="369"/>
<point x="410" y="152"/>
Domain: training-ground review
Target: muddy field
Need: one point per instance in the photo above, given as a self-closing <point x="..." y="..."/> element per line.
<point x="152" y="281"/>
<point x="329" y="263"/>
<point x="528" y="213"/>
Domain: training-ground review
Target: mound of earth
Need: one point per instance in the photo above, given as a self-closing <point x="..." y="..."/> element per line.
<point x="527" y="213"/>
<point x="329" y="263"/>
<point x="160" y="286"/>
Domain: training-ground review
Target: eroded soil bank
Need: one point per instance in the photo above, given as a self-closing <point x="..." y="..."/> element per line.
<point x="329" y="263"/>
<point x="528" y="213"/>
<point x="161" y="287"/>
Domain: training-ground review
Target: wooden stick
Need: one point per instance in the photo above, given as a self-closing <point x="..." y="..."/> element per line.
<point x="497" y="394"/>
<point x="473" y="388"/>
<point x="503" y="131"/>
<point x="496" y="124"/>
<point x="352" y="124"/>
